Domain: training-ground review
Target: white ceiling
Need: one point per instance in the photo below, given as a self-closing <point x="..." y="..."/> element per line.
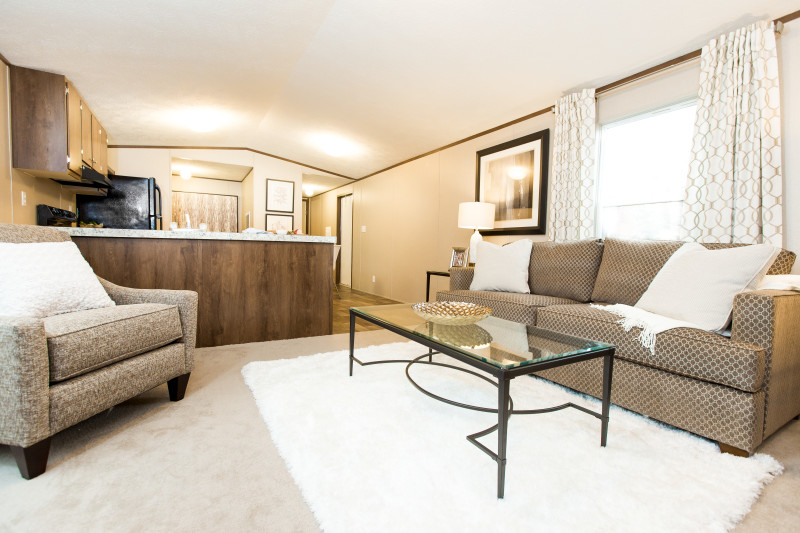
<point x="320" y="183"/>
<point x="398" y="78"/>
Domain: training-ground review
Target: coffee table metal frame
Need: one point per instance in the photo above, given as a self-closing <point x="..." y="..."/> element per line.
<point x="505" y="405"/>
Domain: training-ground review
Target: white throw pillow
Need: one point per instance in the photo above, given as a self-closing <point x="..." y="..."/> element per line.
<point x="47" y="278"/>
<point x="780" y="282"/>
<point x="502" y="268"/>
<point x="698" y="285"/>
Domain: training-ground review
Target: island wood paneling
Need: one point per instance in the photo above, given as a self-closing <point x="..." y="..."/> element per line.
<point x="248" y="291"/>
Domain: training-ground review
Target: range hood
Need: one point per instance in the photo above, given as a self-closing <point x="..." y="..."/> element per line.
<point x="89" y="178"/>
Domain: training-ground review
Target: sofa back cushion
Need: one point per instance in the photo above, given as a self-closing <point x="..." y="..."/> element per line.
<point x="628" y="267"/>
<point x="565" y="270"/>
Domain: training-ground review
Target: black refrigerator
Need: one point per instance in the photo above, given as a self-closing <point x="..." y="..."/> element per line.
<point x="132" y="203"/>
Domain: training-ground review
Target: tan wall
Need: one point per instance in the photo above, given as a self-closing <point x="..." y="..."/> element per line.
<point x="210" y="186"/>
<point x="410" y="213"/>
<point x="13" y="182"/>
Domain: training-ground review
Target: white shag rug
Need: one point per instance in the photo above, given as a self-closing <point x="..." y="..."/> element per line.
<point x="371" y="453"/>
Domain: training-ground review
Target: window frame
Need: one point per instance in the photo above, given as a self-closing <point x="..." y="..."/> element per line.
<point x="649" y="112"/>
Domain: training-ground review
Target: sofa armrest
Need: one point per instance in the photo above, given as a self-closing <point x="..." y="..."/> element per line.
<point x="24" y="381"/>
<point x="461" y="278"/>
<point x="770" y="319"/>
<point x="185" y="300"/>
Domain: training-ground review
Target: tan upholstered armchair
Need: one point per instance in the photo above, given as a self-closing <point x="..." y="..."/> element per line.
<point x="61" y="370"/>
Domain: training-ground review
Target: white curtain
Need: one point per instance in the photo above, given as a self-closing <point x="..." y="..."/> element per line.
<point x="734" y="188"/>
<point x="572" y="206"/>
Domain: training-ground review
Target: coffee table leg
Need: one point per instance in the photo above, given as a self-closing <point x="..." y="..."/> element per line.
<point x="502" y="432"/>
<point x="608" y="369"/>
<point x="352" y="338"/>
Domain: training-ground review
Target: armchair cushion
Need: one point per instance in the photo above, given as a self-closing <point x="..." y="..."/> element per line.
<point x="87" y="340"/>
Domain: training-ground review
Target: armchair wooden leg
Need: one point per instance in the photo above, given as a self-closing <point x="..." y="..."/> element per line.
<point x="32" y="461"/>
<point x="177" y="387"/>
<point x="726" y="448"/>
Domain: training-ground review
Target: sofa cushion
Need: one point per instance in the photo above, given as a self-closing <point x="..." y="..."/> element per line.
<point x="83" y="341"/>
<point x="686" y="351"/>
<point x="565" y="270"/>
<point x="628" y="267"/>
<point x="512" y="306"/>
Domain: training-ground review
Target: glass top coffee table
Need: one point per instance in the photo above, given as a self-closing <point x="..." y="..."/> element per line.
<point x="500" y="348"/>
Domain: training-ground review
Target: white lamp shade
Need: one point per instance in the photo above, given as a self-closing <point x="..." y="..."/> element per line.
<point x="476" y="215"/>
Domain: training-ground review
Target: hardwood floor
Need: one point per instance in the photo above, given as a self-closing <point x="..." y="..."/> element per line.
<point x="352" y="298"/>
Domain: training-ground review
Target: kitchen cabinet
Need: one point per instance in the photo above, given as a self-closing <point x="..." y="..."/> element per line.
<point x="53" y="132"/>
<point x="94" y="141"/>
<point x="99" y="147"/>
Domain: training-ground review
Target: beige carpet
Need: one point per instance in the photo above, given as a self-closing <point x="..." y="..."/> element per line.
<point x="207" y="462"/>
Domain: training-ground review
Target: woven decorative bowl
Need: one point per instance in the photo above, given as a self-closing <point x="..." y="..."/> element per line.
<point x="452" y="313"/>
<point x="466" y="336"/>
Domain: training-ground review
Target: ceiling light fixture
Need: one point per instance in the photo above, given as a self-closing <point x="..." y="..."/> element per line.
<point x="201" y="120"/>
<point x="336" y="146"/>
<point x="186" y="174"/>
<point x="308" y="190"/>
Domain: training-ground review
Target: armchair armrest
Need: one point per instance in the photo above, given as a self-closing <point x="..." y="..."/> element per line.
<point x="185" y="300"/>
<point x="24" y="381"/>
<point x="769" y="319"/>
<point x="461" y="278"/>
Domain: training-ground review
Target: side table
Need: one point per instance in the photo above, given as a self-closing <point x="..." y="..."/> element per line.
<point x="428" y="285"/>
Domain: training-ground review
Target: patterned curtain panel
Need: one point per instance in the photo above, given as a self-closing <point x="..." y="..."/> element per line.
<point x="572" y="206"/>
<point x="734" y="189"/>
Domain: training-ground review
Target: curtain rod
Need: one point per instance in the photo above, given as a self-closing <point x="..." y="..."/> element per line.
<point x="779" y="22"/>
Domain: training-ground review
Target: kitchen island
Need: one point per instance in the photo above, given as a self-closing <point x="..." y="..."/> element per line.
<point x="251" y="287"/>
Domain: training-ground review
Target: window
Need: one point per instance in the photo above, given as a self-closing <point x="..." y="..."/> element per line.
<point x="644" y="162"/>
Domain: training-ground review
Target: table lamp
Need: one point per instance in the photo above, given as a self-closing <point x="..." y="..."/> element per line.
<point x="475" y="215"/>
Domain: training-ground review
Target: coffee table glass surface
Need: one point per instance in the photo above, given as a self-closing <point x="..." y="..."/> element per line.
<point x="499" y="342"/>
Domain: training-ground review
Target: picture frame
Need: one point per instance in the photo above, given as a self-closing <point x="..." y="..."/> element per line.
<point x="276" y="222"/>
<point x="280" y="196"/>
<point x="459" y="257"/>
<point x="513" y="176"/>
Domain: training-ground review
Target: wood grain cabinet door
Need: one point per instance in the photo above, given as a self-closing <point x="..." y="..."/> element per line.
<point x="99" y="147"/>
<point x="86" y="135"/>
<point x="73" y="129"/>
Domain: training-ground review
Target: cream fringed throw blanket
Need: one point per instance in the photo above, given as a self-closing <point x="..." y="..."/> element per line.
<point x="651" y="324"/>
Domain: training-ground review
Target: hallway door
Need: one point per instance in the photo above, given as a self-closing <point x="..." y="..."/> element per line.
<point x="344" y="236"/>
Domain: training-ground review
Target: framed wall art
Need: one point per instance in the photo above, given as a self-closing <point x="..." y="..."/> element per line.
<point x="276" y="222"/>
<point x="513" y="176"/>
<point x="280" y="196"/>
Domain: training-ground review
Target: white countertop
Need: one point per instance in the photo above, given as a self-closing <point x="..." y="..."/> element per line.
<point x="203" y="235"/>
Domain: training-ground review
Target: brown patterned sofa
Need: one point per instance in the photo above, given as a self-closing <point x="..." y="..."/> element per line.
<point x="63" y="369"/>
<point x="735" y="390"/>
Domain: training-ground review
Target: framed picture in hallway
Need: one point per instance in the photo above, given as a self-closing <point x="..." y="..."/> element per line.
<point x="513" y="176"/>
<point x="276" y="222"/>
<point x="280" y="196"/>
